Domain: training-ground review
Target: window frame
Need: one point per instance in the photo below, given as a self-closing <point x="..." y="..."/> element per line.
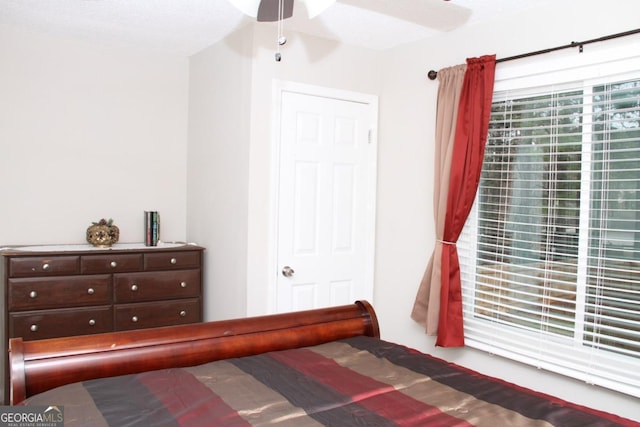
<point x="601" y="67"/>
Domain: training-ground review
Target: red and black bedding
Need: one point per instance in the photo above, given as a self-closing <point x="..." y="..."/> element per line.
<point x="359" y="381"/>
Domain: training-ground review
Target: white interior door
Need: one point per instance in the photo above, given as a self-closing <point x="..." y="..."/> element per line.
<point x="326" y="200"/>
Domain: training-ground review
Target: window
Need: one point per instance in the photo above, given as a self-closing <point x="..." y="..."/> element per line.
<point x="550" y="255"/>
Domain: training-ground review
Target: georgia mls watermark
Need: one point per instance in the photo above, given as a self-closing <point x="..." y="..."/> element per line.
<point x="31" y="416"/>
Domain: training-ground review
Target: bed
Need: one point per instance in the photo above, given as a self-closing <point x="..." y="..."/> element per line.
<point x="311" y="368"/>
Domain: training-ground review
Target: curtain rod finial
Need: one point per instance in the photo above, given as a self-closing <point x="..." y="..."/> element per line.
<point x="432" y="75"/>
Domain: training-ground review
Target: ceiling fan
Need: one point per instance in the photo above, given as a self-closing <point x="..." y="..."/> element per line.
<point x="277" y="10"/>
<point x="439" y="15"/>
<point x="443" y="15"/>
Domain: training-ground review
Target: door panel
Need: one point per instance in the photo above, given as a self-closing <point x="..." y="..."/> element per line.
<point x="305" y="221"/>
<point x="343" y="221"/>
<point x="326" y="203"/>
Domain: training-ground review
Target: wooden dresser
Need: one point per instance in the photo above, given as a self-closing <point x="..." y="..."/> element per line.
<point x="79" y="290"/>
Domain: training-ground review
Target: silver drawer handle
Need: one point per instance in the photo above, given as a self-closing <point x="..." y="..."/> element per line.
<point x="183" y="284"/>
<point x="33" y="294"/>
<point x="183" y="313"/>
<point x="92" y="322"/>
<point x="91" y="291"/>
<point x="134" y="319"/>
<point x="134" y="287"/>
<point x="114" y="264"/>
<point x="34" y="328"/>
<point x="45" y="266"/>
<point x="174" y="261"/>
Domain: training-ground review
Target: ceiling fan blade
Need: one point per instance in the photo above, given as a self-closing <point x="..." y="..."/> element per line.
<point x="268" y="10"/>
<point x="316" y="7"/>
<point x="436" y="14"/>
<point x="248" y="7"/>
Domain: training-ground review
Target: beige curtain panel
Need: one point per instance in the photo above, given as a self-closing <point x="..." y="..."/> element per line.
<point x="426" y="308"/>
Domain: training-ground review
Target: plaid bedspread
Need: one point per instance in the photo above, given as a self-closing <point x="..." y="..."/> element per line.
<point x="355" y="382"/>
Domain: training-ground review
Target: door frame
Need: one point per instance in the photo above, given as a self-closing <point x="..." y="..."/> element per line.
<point x="278" y="88"/>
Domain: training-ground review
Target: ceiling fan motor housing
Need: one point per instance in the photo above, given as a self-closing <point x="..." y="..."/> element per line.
<point x="268" y="10"/>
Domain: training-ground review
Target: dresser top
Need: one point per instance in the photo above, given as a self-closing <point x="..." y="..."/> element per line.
<point x="118" y="247"/>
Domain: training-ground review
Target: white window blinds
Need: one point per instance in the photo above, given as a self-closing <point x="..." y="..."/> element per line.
<point x="551" y="252"/>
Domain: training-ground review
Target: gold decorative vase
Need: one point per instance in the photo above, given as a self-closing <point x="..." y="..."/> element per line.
<point x="103" y="234"/>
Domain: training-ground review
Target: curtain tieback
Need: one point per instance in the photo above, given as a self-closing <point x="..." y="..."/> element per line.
<point x="444" y="242"/>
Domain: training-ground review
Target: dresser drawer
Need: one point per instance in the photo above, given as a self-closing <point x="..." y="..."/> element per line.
<point x="111" y="263"/>
<point x="36" y="325"/>
<point x="171" y="260"/>
<point x="43" y="266"/>
<point x="61" y="291"/>
<point x="161" y="285"/>
<point x="154" y="314"/>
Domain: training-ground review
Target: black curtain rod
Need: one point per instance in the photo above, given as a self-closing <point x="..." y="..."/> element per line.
<point x="434" y="74"/>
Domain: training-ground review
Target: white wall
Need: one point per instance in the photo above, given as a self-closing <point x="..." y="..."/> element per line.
<point x="405" y="233"/>
<point x="218" y="172"/>
<point x="88" y="132"/>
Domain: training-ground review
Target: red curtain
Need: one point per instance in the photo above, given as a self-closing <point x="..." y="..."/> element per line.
<point x="468" y="152"/>
<point x="426" y="307"/>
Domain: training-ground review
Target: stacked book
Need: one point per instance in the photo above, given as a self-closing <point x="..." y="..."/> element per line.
<point x="151" y="228"/>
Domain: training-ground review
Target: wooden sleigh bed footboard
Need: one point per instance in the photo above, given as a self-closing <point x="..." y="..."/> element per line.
<point x="37" y="366"/>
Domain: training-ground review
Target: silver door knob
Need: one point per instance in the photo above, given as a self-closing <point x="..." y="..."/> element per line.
<point x="287" y="271"/>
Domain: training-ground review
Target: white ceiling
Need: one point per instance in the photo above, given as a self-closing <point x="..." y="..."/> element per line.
<point x="185" y="27"/>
